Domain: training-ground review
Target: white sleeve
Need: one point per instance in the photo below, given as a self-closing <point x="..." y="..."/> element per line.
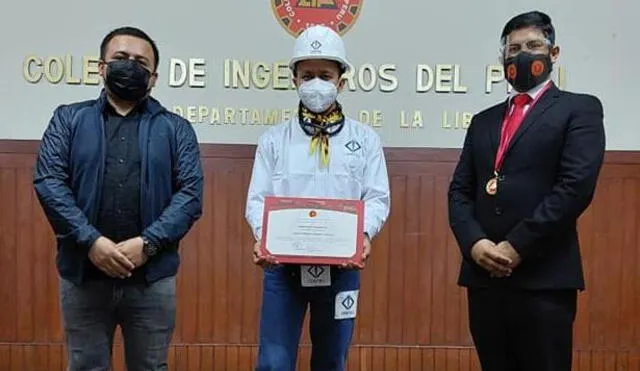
<point x="376" y="193"/>
<point x="259" y="187"/>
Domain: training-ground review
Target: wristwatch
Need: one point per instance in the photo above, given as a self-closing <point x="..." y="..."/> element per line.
<point x="148" y="247"/>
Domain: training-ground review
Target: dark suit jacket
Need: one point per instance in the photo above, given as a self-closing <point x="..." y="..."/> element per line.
<point x="547" y="180"/>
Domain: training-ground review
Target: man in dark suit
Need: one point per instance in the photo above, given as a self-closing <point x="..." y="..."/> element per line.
<point x="528" y="169"/>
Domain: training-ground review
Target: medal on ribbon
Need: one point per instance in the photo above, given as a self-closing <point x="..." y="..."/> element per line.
<point x="492" y="186"/>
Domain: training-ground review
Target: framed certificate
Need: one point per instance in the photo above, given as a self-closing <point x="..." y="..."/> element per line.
<point x="313" y="231"/>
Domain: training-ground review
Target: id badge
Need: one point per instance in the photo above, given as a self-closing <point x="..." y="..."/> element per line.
<point x="315" y="275"/>
<point x="346" y="306"/>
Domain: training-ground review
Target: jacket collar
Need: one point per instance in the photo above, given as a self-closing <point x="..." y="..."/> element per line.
<point x="151" y="106"/>
<point x="546" y="100"/>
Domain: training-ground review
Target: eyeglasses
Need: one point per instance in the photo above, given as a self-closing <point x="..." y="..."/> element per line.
<point x="530" y="45"/>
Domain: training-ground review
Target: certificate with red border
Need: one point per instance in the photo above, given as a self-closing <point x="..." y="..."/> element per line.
<point x="313" y="230"/>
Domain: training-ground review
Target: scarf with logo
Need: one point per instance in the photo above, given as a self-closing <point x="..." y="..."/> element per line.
<point x="321" y="126"/>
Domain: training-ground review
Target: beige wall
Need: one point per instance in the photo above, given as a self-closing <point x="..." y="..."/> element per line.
<point x="391" y="38"/>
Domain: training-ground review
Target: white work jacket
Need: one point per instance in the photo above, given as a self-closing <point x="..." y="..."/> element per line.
<point x="284" y="167"/>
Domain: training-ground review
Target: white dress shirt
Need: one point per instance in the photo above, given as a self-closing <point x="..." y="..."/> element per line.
<point x="534" y="93"/>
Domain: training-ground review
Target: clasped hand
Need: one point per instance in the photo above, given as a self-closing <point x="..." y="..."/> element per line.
<point x="117" y="260"/>
<point x="499" y="260"/>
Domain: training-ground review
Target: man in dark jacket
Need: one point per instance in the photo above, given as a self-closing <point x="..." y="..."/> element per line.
<point x="120" y="181"/>
<point x="528" y="170"/>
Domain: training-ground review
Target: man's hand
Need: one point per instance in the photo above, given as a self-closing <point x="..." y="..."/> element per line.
<point x="506" y="249"/>
<point x="488" y="256"/>
<point x="365" y="255"/>
<point x="132" y="250"/>
<point x="261" y="260"/>
<point x="104" y="255"/>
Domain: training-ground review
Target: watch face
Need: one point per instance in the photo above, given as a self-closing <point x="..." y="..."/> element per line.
<point x="149" y="250"/>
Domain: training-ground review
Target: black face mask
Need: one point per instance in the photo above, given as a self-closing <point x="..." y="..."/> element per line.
<point x="526" y="70"/>
<point x="127" y="79"/>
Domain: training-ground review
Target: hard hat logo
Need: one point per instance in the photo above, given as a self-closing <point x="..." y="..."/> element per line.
<point x="315" y="48"/>
<point x="297" y="15"/>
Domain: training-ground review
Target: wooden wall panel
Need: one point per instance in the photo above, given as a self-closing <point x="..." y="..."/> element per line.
<point x="206" y="357"/>
<point x="412" y="316"/>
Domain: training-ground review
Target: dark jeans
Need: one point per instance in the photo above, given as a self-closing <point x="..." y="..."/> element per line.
<point x="522" y="330"/>
<point x="284" y="304"/>
<point x="91" y="312"/>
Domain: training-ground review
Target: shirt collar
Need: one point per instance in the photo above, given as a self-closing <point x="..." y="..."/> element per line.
<point x="533" y="93"/>
<point x="137" y="109"/>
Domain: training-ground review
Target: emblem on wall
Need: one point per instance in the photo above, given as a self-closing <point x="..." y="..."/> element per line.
<point x="296" y="15"/>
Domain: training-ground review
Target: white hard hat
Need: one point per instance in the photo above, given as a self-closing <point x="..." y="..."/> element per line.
<point x="319" y="42"/>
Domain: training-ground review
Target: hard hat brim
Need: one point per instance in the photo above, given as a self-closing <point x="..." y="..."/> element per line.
<point x="345" y="64"/>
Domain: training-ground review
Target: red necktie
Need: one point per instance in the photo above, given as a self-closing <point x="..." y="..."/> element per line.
<point x="510" y="126"/>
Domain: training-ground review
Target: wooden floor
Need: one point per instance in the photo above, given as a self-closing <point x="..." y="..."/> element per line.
<point x="411" y="314"/>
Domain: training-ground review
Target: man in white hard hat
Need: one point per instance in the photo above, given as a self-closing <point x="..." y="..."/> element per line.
<point x="321" y="154"/>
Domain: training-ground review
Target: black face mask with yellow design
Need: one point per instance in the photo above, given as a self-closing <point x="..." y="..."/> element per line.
<point x="525" y="70"/>
<point x="321" y="126"/>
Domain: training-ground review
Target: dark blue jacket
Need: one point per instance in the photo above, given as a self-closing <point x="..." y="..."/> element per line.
<point x="69" y="176"/>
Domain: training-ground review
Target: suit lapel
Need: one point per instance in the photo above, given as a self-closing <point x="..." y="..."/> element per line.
<point x="496" y="125"/>
<point x="547" y="100"/>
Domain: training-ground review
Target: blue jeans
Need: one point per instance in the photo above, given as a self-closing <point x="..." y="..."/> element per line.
<point x="91" y="312"/>
<point x="284" y="304"/>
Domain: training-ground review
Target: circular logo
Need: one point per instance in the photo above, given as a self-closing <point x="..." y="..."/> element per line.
<point x="297" y="15"/>
<point x="312" y="214"/>
<point x="511" y="72"/>
<point x="537" y="68"/>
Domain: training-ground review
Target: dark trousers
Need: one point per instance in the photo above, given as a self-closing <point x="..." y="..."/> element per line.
<point x="522" y="330"/>
<point x="91" y="312"/>
<point x="284" y="304"/>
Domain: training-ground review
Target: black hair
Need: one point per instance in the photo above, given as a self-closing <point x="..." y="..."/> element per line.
<point x="129" y="31"/>
<point x="535" y="19"/>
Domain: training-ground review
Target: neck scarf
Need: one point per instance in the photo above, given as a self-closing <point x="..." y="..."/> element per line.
<point x="321" y="126"/>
